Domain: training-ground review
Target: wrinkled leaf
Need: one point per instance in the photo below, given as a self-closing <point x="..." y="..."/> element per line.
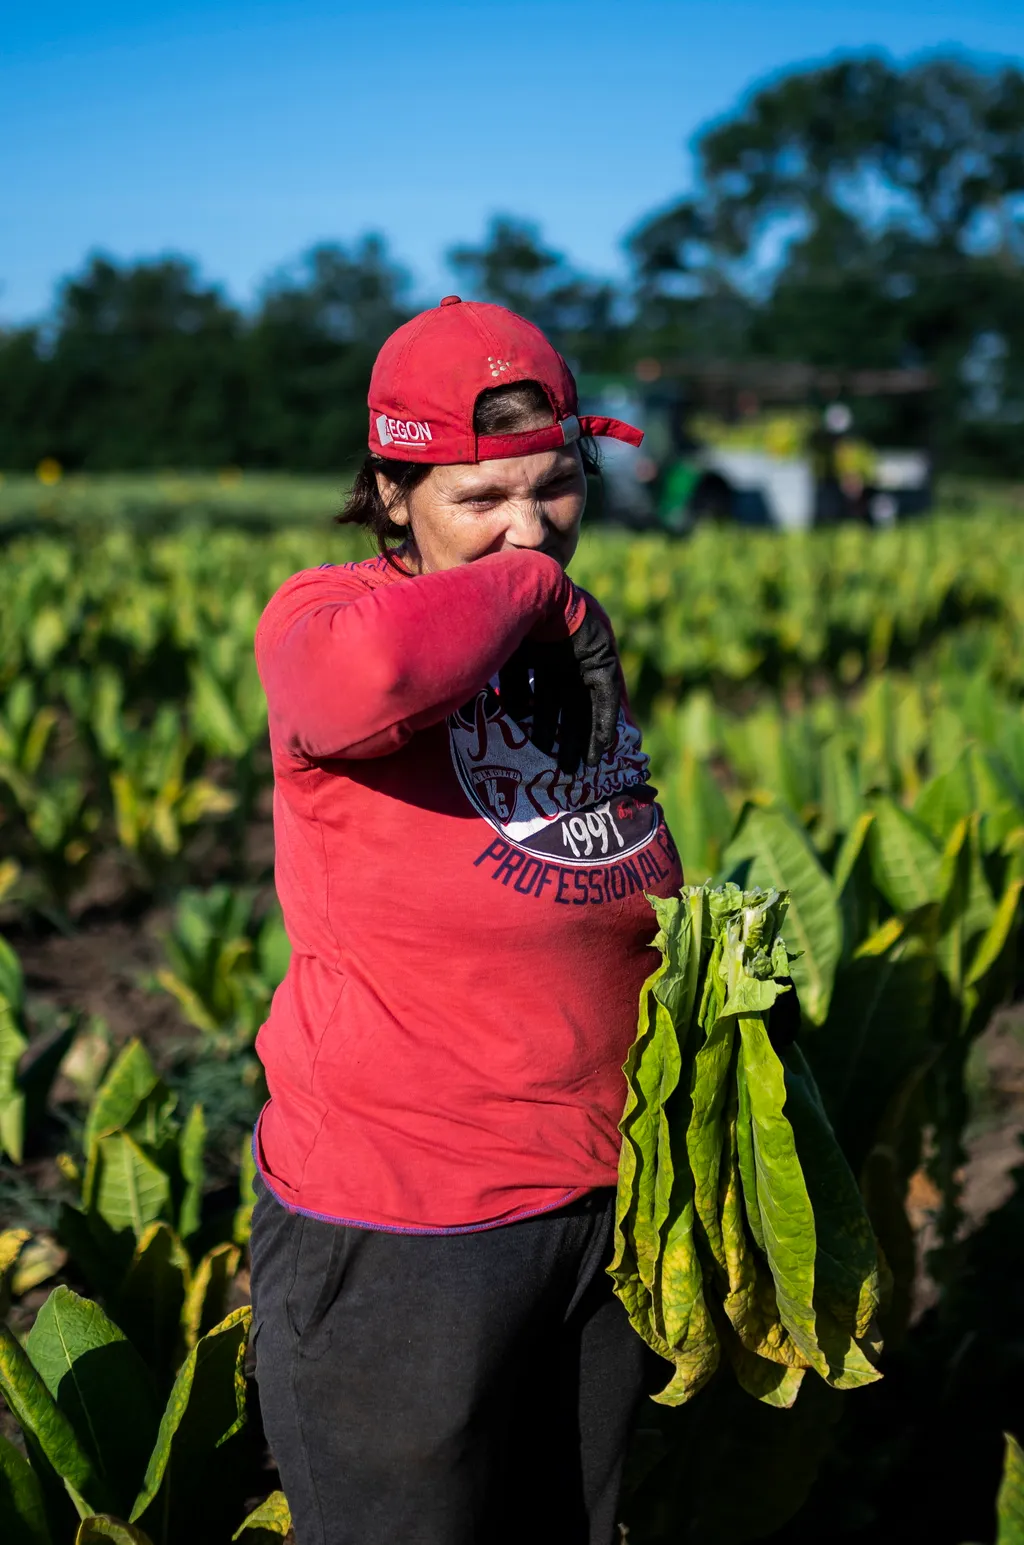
<point x="787" y="1218"/>
<point x="846" y="1264"/>
<point x="40" y="1260"/>
<point x="130" y="1191"/>
<point x="21" y="1499"/>
<point x="205" y="1408"/>
<point x="35" y="1409"/>
<point x="206" y="1299"/>
<point x="101" y="1385"/>
<point x="103" y="1529"/>
<point x="271" y="1519"/>
<point x="130" y="1081"/>
<point x="904" y="858"/>
<point x="13" y="1045"/>
<point x="1010" y="1502"/>
<point x="152" y="1296"/>
<point x="783" y="859"/>
<point x="191" y="1145"/>
<point x="241" y="1227"/>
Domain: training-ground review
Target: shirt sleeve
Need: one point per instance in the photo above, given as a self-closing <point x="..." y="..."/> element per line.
<point x="351" y="671"/>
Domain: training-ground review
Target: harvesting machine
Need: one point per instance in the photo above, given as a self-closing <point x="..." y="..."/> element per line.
<point x="789" y="446"/>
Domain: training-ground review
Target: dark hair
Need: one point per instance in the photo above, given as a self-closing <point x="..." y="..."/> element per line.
<point x="500" y="410"/>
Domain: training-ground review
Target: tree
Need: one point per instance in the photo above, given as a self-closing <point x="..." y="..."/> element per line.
<point x="140" y="369"/>
<point x="310" y="352"/>
<point x="866" y="215"/>
<point x="144" y="365"/>
<point x="513" y="268"/>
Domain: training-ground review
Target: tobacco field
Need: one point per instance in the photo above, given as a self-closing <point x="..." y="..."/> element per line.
<point x="836" y="714"/>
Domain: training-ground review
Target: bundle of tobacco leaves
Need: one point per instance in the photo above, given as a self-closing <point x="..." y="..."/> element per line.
<point x="739" y="1224"/>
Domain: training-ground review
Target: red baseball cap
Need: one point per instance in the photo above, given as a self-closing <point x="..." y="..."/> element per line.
<point x="429" y="373"/>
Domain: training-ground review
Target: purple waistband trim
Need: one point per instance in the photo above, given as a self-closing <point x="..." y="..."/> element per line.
<point x="394" y="1228"/>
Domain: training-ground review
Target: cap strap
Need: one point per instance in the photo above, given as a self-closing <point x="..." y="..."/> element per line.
<point x="553" y="437"/>
<point x="612" y="428"/>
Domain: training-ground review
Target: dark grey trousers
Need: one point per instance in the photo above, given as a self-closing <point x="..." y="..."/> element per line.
<point x="457" y="1389"/>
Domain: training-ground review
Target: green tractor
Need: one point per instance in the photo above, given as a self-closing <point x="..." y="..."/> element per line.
<point x="769" y="445"/>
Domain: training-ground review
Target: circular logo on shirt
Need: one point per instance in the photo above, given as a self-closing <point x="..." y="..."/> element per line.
<point x="593" y="816"/>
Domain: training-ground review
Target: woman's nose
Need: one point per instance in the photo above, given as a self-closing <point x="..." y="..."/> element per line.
<point x="527" y="525"/>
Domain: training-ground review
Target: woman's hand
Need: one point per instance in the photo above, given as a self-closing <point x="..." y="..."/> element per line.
<point x="577" y="692"/>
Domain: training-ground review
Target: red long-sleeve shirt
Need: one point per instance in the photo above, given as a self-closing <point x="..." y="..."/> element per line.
<point x="469" y="927"/>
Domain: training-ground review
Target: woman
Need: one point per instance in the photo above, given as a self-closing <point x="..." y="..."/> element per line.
<point x="464" y="837"/>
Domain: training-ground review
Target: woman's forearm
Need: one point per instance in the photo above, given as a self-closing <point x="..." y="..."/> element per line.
<point x="355" y="675"/>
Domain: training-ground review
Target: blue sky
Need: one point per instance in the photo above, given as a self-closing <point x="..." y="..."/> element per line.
<point x="242" y="133"/>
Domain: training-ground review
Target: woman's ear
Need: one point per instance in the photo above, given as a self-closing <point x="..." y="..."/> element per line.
<point x="398" y="511"/>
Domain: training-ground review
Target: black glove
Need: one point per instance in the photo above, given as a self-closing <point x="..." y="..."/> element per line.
<point x="577" y="691"/>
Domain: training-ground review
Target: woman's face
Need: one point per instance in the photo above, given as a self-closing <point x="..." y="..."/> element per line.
<point x="461" y="513"/>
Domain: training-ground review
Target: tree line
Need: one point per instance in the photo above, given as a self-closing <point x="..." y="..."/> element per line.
<point x="858" y="215"/>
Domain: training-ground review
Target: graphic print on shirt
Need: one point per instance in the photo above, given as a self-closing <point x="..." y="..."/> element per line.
<point x="591" y="817"/>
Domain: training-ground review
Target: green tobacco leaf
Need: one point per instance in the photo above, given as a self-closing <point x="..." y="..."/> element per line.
<point x="12" y="1242"/>
<point x="131" y="1080"/>
<point x="129" y="1191"/>
<point x="991" y="947"/>
<point x="101" y="1255"/>
<point x="849" y="1365"/>
<point x="273" y="950"/>
<point x="946" y="799"/>
<point x="190" y="1146"/>
<point x="657" y="1075"/>
<point x="40" y="1068"/>
<point x="741" y="971"/>
<point x="205" y="1408"/>
<point x="656" y="1269"/>
<point x="241" y="1227"/>
<point x="13" y="1045"/>
<point x="680" y="1311"/>
<point x="39" y="1416"/>
<point x="213" y="717"/>
<point x="206" y="1299"/>
<point x="751" y="1303"/>
<point x="904" y="858"/>
<point x="104" y="1529"/>
<point x="624" y="1269"/>
<point x="37" y="1263"/>
<point x="710" y="1086"/>
<point x="787" y="1217"/>
<point x="12" y="985"/>
<point x="963" y="889"/>
<point x="772" y="1383"/>
<point x="701" y="819"/>
<point x="271" y="1519"/>
<point x="189" y="1001"/>
<point x="745" y="1156"/>
<point x="101" y="1385"/>
<point x="841" y="801"/>
<point x="854" y="887"/>
<point x="152" y="1296"/>
<point x="991" y="972"/>
<point x="978" y="781"/>
<point x="652" y="1070"/>
<point x="877" y="1031"/>
<point x="1010" y="1502"/>
<point x="967" y="908"/>
<point x="21" y="1499"/>
<point x="853" y="845"/>
<point x="784" y="860"/>
<point x="996" y="795"/>
<point x="846" y="1264"/>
